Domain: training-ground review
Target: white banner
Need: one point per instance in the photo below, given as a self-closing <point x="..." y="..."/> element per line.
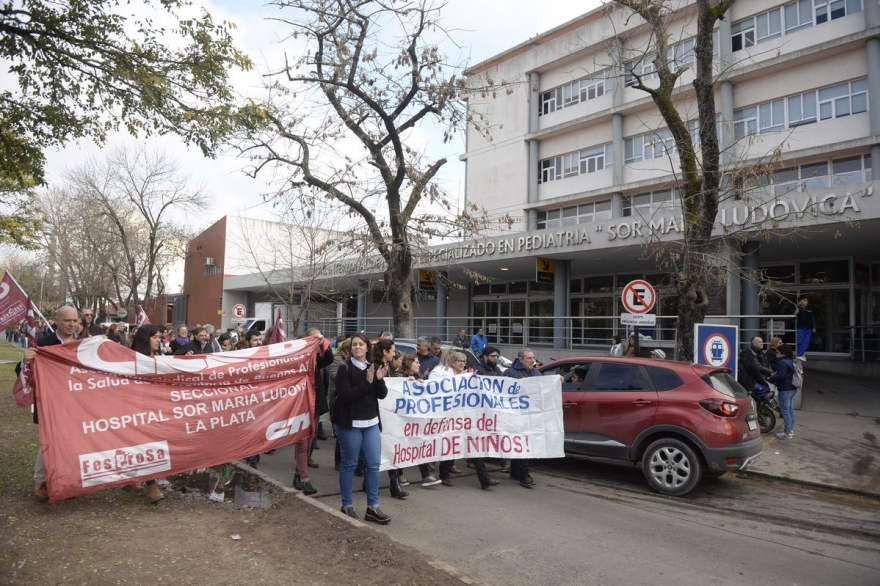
<point x="471" y="416"/>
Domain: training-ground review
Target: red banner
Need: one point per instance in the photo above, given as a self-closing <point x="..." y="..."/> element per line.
<point x="13" y="302"/>
<point x="110" y="416"/>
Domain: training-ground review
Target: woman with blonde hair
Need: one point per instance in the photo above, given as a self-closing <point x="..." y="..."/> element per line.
<point x="770" y="352"/>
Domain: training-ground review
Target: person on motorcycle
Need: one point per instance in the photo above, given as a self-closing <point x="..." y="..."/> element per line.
<point x="753" y="367"/>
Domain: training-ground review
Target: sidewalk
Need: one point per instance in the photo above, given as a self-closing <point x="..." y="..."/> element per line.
<point x="835" y="436"/>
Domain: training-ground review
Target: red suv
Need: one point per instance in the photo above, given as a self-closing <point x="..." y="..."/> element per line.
<point x="682" y="421"/>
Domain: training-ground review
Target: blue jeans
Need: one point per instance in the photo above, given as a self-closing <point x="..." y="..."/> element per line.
<point x="351" y="443"/>
<point x="786" y="401"/>
<point x="803" y="341"/>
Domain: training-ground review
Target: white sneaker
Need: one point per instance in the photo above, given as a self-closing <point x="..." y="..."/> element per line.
<point x="802" y="357"/>
<point x="783" y="435"/>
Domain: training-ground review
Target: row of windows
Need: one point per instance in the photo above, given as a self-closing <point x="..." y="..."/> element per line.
<point x="572" y="215"/>
<point x="818" y="175"/>
<point x="580" y="90"/>
<point x="678" y="56"/>
<point x="212" y="270"/>
<point x="653" y="145"/>
<point x="831" y="102"/>
<point x="577" y="163"/>
<point x="788" y="19"/>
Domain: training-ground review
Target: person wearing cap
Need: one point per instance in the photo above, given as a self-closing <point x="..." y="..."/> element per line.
<point x="658" y="354"/>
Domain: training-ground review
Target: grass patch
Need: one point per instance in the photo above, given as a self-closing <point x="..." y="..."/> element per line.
<point x="18" y="435"/>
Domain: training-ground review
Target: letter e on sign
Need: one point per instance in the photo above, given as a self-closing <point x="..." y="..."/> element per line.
<point x="638" y="297"/>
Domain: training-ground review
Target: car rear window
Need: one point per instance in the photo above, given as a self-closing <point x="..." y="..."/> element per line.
<point x="664" y="379"/>
<point x="724" y="383"/>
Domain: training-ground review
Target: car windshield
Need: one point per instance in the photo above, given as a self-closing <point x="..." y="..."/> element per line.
<point x="724" y="383"/>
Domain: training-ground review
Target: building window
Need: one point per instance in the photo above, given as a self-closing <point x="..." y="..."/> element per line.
<point x="652" y="145"/>
<point x="832" y="102"/>
<point x="798" y="15"/>
<point x="578" y="163"/>
<point x="572" y="215"/>
<point x="217" y="269"/>
<point x="551" y="170"/>
<point x="581" y="90"/>
<point x="643" y="68"/>
<point x="681" y="55"/>
<point x="644" y="205"/>
<point x="743" y="34"/>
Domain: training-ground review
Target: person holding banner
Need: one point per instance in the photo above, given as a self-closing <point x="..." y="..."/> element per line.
<point x="454" y="365"/>
<point x="385" y="353"/>
<point x="355" y="417"/>
<point x="146" y="341"/>
<point x="522" y="367"/>
<point x="67" y="321"/>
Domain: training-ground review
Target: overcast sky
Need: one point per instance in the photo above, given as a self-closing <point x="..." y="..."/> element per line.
<point x="482" y="28"/>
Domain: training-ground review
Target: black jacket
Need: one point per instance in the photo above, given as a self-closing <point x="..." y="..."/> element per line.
<point x="484" y="370"/>
<point x="752" y="368"/>
<point x="355" y="398"/>
<point x="49" y="340"/>
<point x="323" y="361"/>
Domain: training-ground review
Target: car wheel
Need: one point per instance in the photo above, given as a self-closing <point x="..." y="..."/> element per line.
<point x="672" y="467"/>
<point x="766" y="419"/>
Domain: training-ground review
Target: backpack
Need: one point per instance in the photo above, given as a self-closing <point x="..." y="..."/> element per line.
<point x="797" y="378"/>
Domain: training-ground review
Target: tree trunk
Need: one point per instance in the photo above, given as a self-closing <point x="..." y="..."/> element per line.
<point x="693" y="301"/>
<point x="399" y="283"/>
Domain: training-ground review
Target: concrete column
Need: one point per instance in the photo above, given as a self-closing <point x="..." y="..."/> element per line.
<point x="617" y="149"/>
<point x="363" y="291"/>
<point x="734" y="284"/>
<point x="534" y="108"/>
<point x="561" y="305"/>
<point x="534" y="100"/>
<point x="616" y="79"/>
<point x="532" y="220"/>
<point x="873" y="50"/>
<point x="751" y="289"/>
<point x="725" y="52"/>
<point x="617" y="205"/>
<point x="340" y="323"/>
<point x="442" y="317"/>
<point x="726" y="138"/>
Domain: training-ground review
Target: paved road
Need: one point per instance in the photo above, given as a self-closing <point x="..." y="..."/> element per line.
<point x="598" y="523"/>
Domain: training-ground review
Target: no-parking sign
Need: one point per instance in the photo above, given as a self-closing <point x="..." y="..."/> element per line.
<point x="638" y="297"/>
<point x="716" y="345"/>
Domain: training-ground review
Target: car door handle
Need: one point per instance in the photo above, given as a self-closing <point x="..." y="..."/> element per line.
<point x="641" y="402"/>
<point x="569" y="404"/>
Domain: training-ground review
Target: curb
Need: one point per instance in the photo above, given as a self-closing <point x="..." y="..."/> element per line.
<point x="809" y="484"/>
<point x="436" y="563"/>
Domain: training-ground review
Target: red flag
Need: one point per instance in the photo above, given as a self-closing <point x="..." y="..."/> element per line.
<point x="278" y="333"/>
<point x="23" y="388"/>
<point x="12" y="302"/>
<point x="142" y="317"/>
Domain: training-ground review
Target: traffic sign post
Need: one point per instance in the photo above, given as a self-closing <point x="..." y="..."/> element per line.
<point x="716" y="345"/>
<point x="638" y="299"/>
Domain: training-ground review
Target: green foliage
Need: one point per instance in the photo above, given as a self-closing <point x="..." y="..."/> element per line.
<point x="85" y="69"/>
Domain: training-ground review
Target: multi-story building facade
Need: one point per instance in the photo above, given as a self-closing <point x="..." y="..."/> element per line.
<point x="582" y="159"/>
<point x="585" y="158"/>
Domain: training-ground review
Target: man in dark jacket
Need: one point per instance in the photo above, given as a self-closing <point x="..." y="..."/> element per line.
<point x="488" y="365"/>
<point x="462" y="341"/>
<point x="805" y="324"/>
<point x="200" y="344"/>
<point x="522" y="367"/>
<point x="427" y="361"/>
<point x="753" y="368"/>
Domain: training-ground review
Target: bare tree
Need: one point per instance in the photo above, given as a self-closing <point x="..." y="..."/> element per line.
<point x="342" y="119"/>
<point x="700" y="169"/>
<point x="134" y="197"/>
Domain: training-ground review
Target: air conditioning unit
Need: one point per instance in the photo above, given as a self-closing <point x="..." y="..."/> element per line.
<point x="209" y="261"/>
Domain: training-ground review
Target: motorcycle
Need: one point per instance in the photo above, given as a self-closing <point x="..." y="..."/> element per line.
<point x="767" y="407"/>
